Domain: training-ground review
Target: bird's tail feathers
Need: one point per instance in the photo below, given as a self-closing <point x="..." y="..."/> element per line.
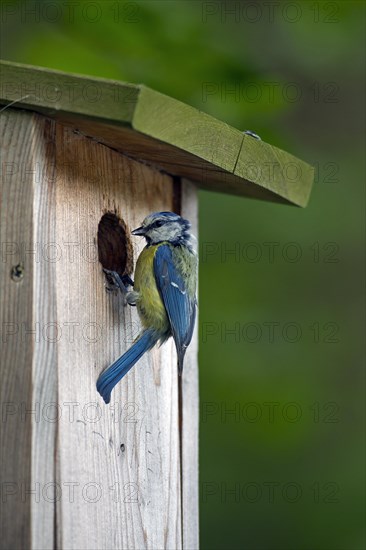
<point x="113" y="374"/>
<point x="181" y="353"/>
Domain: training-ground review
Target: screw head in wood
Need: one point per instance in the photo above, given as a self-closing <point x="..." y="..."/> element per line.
<point x="17" y="273"/>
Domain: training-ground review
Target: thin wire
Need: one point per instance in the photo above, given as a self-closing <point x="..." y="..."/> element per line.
<point x="12" y="103"/>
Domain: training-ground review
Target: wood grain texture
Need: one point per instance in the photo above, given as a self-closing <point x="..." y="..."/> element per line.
<point x="171" y="121"/>
<point x="54" y="92"/>
<point x="275" y="170"/>
<point x="160" y="130"/>
<point x="28" y="365"/>
<point x="121" y="459"/>
<point x="102" y="476"/>
<point x="44" y="364"/>
<point x="190" y="404"/>
<point x="16" y="317"/>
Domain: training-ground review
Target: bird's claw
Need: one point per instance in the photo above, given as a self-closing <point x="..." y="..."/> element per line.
<point x="115" y="282"/>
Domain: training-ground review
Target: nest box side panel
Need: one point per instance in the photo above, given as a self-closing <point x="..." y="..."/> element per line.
<point x="190" y="402"/>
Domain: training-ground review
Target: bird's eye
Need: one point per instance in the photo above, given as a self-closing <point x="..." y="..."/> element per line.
<point x="159" y="223"/>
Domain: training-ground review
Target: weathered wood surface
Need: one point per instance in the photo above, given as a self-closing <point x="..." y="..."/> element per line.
<point x="190" y="404"/>
<point x="16" y="316"/>
<point x="161" y="131"/>
<point x="105" y="476"/>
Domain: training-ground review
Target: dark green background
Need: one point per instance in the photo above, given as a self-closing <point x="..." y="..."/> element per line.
<point x="293" y="73"/>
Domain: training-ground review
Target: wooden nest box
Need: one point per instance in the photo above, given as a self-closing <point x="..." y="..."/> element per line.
<point x="84" y="160"/>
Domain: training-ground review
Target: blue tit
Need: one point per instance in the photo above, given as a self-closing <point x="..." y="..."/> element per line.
<point x="164" y="292"/>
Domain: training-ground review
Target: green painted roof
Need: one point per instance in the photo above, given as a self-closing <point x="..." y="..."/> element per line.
<point x="160" y="131"/>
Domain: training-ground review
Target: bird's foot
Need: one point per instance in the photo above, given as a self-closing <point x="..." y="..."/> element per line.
<point x="115" y="282"/>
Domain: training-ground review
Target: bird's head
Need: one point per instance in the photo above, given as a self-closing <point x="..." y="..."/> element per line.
<point x="164" y="226"/>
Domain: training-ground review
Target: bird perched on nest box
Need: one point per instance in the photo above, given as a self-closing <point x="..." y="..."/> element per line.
<point x="164" y="292"/>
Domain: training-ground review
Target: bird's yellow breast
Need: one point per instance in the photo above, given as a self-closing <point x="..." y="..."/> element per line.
<point x="149" y="304"/>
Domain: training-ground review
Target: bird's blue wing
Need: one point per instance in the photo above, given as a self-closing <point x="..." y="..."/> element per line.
<point x="179" y="305"/>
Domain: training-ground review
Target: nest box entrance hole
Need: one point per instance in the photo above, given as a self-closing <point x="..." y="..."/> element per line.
<point x="115" y="251"/>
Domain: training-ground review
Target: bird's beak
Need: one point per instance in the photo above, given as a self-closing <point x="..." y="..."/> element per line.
<point x="139" y="231"/>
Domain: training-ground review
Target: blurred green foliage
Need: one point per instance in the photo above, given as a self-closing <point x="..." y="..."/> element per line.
<point x="285" y="470"/>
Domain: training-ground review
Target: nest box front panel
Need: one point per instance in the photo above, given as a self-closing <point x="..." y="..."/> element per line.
<point x="108" y="465"/>
<point x="130" y="455"/>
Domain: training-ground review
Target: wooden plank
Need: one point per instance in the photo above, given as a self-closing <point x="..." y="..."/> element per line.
<point x="171" y="121"/>
<point x="275" y="170"/>
<point x="16" y="318"/>
<point x="54" y="92"/>
<point x="28" y="365"/>
<point x="190" y="404"/>
<point x="15" y="307"/>
<point x="44" y="364"/>
<point x="160" y="130"/>
<point x="125" y="465"/>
